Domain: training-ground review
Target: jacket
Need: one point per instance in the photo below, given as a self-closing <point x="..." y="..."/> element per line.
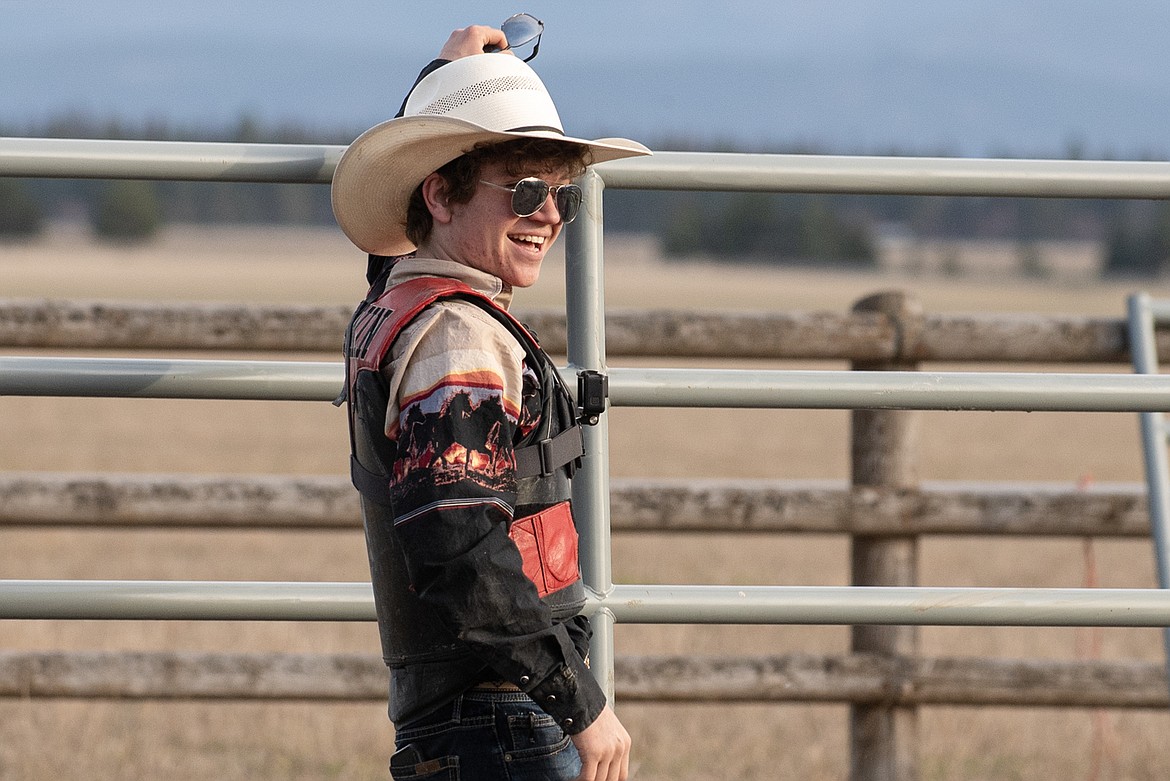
<point x="463" y="443"/>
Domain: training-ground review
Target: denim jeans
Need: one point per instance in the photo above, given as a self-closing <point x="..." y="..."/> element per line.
<point x="484" y="736"/>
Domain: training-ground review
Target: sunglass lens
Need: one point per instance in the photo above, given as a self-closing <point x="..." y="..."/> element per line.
<point x="528" y="196"/>
<point x="569" y="202"/>
<point x="521" y="29"/>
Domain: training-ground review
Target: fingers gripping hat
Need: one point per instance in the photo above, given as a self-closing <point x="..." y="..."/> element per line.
<point x="483" y="98"/>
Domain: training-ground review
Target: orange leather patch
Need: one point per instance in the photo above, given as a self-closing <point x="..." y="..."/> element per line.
<point x="547" y="543"/>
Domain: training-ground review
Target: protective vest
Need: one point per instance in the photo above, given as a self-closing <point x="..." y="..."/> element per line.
<point x="428" y="662"/>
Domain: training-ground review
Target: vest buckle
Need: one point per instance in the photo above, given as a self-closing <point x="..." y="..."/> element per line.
<point x="546" y="457"/>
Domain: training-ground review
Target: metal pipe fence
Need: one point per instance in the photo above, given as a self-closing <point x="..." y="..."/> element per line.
<point x="639" y="604"/>
<point x="729" y="388"/>
<point x="878" y="749"/>
<point x="314" y="164"/>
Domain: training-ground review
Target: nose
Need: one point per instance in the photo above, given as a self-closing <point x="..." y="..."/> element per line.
<point x="548" y="211"/>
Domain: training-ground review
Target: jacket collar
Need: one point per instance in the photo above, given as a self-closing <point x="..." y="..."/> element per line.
<point x="480" y="281"/>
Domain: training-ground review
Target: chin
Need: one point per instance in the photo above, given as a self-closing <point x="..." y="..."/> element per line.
<point x="526" y="281"/>
<point x="525" y="276"/>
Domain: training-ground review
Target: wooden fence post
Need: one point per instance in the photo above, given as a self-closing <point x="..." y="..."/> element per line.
<point x="883" y="738"/>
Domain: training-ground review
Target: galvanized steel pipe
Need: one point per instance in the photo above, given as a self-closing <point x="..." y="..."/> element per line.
<point x="585" y="340"/>
<point x="278" y="601"/>
<point x="310" y="163"/>
<point x="163" y="379"/>
<point x="777" y="389"/>
<point x="890" y="175"/>
<point x="70" y="158"/>
<point x="185" y="600"/>
<point x="889" y="605"/>
<point x="888" y="390"/>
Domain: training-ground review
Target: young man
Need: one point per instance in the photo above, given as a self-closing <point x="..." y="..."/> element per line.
<point x="463" y="436"/>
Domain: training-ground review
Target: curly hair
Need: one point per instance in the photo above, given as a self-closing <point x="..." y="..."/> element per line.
<point x="520" y="157"/>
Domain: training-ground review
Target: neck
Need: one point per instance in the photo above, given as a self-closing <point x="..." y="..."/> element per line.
<point x="433" y="249"/>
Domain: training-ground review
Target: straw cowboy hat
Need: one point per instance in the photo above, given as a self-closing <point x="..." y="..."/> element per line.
<point x="486" y="97"/>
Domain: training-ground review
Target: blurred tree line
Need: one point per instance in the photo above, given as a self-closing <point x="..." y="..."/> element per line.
<point x="127" y="210"/>
<point x="754" y="227"/>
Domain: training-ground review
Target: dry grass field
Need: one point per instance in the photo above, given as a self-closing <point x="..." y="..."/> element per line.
<point x="188" y="741"/>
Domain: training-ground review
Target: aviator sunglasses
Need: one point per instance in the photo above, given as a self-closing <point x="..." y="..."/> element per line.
<point x="521" y="30"/>
<point x="528" y="196"/>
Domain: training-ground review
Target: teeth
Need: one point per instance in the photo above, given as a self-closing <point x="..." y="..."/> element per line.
<point x="537" y="240"/>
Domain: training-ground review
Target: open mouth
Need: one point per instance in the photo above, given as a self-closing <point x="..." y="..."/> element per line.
<point x="530" y="242"/>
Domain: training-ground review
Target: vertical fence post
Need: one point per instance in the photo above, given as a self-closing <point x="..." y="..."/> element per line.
<point x="883" y="738"/>
<point x="1144" y="315"/>
<point x="585" y="316"/>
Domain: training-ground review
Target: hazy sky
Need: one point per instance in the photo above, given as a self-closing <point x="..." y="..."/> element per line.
<point x="963" y="78"/>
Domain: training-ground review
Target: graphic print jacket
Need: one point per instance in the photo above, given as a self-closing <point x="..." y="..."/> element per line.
<point x="467" y="589"/>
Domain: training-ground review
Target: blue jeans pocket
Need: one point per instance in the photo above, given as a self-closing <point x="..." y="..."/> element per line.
<point x="441" y="769"/>
<point x="534" y="734"/>
<point x="539" y="749"/>
<point x="485" y="736"/>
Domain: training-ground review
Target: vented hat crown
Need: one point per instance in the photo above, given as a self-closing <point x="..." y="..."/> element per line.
<point x="484" y="98"/>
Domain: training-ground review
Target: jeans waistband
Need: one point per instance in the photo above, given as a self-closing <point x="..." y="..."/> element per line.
<point x="496" y="686"/>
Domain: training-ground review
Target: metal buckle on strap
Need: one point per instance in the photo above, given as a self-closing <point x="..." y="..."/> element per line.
<point x="546" y="457"/>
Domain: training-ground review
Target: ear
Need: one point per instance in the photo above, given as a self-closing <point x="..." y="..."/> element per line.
<point x="434" y="192"/>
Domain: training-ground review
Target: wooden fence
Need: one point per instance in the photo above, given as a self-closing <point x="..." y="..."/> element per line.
<point x="883" y="509"/>
<point x="854" y="336"/>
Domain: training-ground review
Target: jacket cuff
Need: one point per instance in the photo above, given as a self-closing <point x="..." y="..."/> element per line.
<point x="571" y="696"/>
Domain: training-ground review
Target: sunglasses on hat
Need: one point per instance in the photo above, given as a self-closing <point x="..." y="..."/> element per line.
<point x="529" y="195"/>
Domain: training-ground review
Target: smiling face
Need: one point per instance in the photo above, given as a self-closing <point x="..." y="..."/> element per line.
<point x="485" y="234"/>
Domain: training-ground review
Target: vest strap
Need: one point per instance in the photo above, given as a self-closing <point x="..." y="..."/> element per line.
<point x="548" y="455"/>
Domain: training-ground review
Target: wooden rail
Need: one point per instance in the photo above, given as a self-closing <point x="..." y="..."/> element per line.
<point x="856" y="336"/>
<point x="110" y="500"/>
<point x="856" y="678"/>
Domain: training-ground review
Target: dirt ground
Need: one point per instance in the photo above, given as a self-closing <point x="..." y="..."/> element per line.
<point x="194" y="740"/>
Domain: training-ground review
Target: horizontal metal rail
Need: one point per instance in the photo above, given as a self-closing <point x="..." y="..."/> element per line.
<point x="891" y="175"/>
<point x="314" y="164"/>
<point x="171" y="379"/>
<point x="1159" y="309"/>
<point x="776" y="389"/>
<point x="186" y="600"/>
<point x="70" y="158"/>
<point x="888" y="390"/>
<point x="653" y="604"/>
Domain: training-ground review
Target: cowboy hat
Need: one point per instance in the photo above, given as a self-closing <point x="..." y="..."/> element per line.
<point x="483" y="98"/>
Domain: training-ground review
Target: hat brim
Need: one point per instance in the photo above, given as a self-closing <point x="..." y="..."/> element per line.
<point x="379" y="171"/>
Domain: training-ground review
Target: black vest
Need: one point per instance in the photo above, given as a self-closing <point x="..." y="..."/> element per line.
<point x="429" y="664"/>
